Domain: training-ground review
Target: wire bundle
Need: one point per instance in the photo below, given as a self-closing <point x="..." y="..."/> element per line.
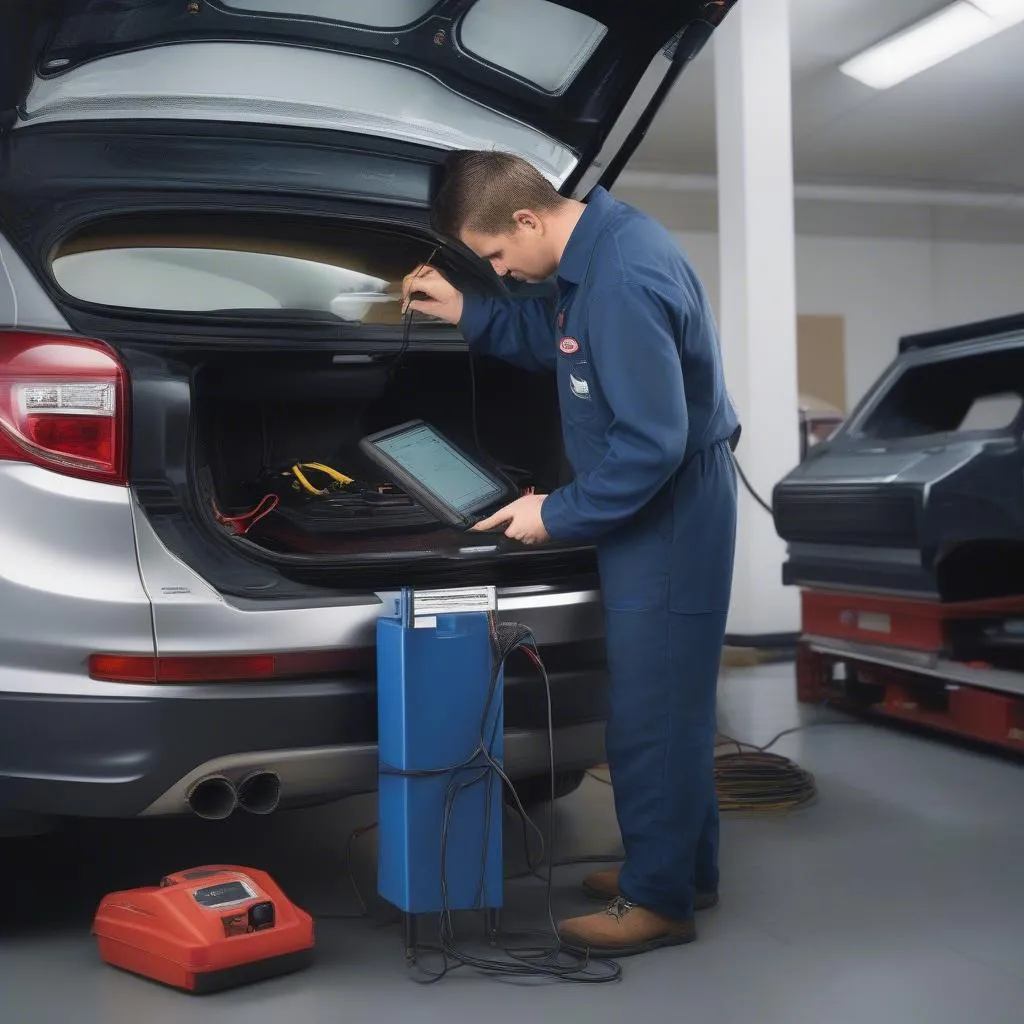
<point x="753" y="781"/>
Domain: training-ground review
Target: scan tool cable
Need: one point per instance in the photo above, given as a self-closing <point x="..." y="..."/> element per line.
<point x="750" y="488"/>
<point x="407" y="327"/>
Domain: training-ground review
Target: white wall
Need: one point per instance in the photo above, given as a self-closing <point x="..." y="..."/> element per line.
<point x="887" y="287"/>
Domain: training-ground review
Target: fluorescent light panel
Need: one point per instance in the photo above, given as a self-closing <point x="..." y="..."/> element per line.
<point x="937" y="38"/>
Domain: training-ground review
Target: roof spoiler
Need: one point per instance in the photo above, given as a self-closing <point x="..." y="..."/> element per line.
<point x="966" y="332"/>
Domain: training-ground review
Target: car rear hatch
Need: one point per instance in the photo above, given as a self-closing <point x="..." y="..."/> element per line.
<point x="570" y="85"/>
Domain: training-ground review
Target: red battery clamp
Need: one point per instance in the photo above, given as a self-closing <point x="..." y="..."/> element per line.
<point x="205" y="929"/>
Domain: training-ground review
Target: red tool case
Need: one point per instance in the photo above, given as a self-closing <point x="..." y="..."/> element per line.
<point x="205" y="929"/>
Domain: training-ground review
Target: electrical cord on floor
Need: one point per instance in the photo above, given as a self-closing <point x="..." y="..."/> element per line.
<point x="534" y="862"/>
<point x="549" y="960"/>
<point x="364" y="910"/>
<point x="750" y="782"/>
<point x="754" y="781"/>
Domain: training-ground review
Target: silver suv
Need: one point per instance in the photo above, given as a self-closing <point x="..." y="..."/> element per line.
<point x="205" y="208"/>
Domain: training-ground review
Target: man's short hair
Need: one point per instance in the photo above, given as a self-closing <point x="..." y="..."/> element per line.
<point x="482" y="190"/>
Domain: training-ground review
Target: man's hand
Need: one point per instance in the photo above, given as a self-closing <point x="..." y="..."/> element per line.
<point x="438" y="298"/>
<point x="523" y="519"/>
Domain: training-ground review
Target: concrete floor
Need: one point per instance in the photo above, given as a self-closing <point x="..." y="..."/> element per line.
<point x="898" y="897"/>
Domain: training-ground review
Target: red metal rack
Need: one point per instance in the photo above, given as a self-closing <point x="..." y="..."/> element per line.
<point x="958" y="700"/>
<point x="875" y="619"/>
<point x="893" y="657"/>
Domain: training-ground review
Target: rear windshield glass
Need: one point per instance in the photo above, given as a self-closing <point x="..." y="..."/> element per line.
<point x="539" y="42"/>
<point x="536" y="41"/>
<point x="242" y="267"/>
<point x="369" y="13"/>
<point x="975" y="394"/>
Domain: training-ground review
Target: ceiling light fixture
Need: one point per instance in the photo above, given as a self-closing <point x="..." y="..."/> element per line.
<point x="937" y="38"/>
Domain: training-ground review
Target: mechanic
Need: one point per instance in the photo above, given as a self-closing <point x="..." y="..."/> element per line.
<point x="647" y="426"/>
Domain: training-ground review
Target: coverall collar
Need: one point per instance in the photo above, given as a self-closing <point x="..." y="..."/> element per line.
<point x="576" y="257"/>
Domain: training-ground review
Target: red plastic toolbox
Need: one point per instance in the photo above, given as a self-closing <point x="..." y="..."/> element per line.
<point x="205" y="929"/>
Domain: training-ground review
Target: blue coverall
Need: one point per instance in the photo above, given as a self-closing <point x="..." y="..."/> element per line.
<point x="646" y="421"/>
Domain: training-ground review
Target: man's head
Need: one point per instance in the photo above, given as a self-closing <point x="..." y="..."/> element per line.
<point x="506" y="211"/>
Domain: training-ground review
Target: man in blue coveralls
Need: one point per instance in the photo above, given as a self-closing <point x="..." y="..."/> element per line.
<point x="647" y="426"/>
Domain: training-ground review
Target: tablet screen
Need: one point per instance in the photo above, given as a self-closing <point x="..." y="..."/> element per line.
<point x="440" y="469"/>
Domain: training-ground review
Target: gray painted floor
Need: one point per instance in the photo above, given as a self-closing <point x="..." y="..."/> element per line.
<point x="899" y="897"/>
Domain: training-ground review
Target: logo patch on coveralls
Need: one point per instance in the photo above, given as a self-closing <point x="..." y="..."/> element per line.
<point x="569" y="346"/>
<point x="580" y="387"/>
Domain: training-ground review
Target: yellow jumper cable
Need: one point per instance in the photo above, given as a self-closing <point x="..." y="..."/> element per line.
<point x="300" y="476"/>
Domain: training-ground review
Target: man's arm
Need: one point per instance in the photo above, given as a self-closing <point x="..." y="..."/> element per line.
<point x="634" y="354"/>
<point x="517" y="330"/>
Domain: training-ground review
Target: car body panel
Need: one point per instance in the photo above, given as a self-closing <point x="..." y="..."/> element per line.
<point x="893" y="504"/>
<point x="23" y="302"/>
<point x="190" y="616"/>
<point x="69" y="577"/>
<point x="595" y="71"/>
<point x="316" y="774"/>
<point x="282" y="85"/>
<point x="129" y="751"/>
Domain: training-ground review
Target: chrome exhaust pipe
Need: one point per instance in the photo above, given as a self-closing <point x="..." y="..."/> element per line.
<point x="260" y="792"/>
<point x="212" y="798"/>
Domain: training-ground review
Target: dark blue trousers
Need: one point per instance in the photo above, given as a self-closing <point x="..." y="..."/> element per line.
<point x="666" y="579"/>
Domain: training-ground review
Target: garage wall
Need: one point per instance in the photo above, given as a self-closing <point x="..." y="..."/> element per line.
<point x="887" y="269"/>
<point x="884" y="288"/>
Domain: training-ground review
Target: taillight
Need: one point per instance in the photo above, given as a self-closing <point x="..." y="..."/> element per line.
<point x="63" y="405"/>
<point x="225" y="668"/>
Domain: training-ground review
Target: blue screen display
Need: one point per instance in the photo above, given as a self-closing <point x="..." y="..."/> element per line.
<point x="439" y="468"/>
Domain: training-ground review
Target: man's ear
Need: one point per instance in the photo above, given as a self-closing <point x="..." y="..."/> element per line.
<point x="527" y="220"/>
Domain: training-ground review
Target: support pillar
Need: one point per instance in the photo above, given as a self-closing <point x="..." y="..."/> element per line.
<point x="758" y="293"/>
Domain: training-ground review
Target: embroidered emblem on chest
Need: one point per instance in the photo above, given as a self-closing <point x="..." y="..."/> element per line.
<point x="580" y="387"/>
<point x="568" y="346"/>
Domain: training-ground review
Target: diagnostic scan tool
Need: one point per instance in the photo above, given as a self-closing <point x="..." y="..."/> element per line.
<point x="428" y="467"/>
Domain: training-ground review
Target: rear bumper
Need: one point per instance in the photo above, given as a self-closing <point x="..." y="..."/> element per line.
<point x="113" y="753"/>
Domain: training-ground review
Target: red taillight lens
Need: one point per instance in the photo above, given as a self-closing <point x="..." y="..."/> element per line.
<point x="127" y="668"/>
<point x="218" y="668"/>
<point x="63" y="405"/>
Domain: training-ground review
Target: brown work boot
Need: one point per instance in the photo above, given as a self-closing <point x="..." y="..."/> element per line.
<point x="624" y="929"/>
<point x="604" y="885"/>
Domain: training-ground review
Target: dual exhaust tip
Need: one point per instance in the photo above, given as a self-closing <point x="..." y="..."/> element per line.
<point x="216" y="797"/>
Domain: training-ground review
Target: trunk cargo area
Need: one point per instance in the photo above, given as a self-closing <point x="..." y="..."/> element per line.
<point x="260" y="416"/>
<point x="261" y="333"/>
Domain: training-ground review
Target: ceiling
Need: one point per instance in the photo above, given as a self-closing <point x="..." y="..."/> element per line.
<point x="959" y="125"/>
